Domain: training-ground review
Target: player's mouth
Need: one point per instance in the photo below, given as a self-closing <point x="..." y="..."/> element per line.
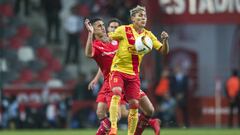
<point x="143" y="23"/>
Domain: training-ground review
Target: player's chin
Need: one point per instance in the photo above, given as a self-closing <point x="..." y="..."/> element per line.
<point x="143" y="25"/>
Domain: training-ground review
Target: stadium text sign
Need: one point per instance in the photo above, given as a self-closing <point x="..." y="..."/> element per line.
<point x="194" y="7"/>
<point x="195" y="11"/>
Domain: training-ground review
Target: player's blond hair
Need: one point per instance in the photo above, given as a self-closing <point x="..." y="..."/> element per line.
<point x="136" y="10"/>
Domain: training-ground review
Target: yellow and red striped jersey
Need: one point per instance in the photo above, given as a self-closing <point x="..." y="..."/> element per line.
<point x="126" y="59"/>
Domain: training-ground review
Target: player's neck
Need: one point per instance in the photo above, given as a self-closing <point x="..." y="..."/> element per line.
<point x="138" y="29"/>
<point x="103" y="38"/>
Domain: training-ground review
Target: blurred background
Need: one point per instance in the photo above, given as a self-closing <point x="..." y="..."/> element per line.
<point x="44" y="73"/>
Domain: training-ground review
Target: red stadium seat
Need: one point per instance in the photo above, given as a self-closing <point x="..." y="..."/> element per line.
<point x="44" y="75"/>
<point x="16" y="42"/>
<point x="24" y="32"/>
<point x="55" y="65"/>
<point x="17" y="82"/>
<point x="26" y="76"/>
<point x="44" y="54"/>
<point x="6" y="10"/>
<point x="83" y="10"/>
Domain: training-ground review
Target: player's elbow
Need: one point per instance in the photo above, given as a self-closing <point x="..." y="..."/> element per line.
<point x="165" y="51"/>
<point x="88" y="54"/>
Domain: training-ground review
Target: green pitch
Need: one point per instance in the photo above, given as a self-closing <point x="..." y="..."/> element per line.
<point x="200" y="131"/>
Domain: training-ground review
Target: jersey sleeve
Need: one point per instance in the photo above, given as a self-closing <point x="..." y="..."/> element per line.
<point x="118" y="34"/>
<point x="156" y="43"/>
<point x="95" y="50"/>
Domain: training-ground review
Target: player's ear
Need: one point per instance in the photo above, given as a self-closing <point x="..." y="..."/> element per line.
<point x="132" y="18"/>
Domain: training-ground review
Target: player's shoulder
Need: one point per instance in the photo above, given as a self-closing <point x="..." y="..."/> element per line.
<point x="147" y="31"/>
<point x="97" y="43"/>
<point x="122" y="27"/>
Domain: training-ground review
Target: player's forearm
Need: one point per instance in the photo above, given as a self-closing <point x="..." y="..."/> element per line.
<point x="98" y="75"/>
<point x="88" y="49"/>
<point x="165" y="47"/>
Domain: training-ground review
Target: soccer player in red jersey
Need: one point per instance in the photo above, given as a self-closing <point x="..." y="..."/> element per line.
<point x="102" y="50"/>
<point x="126" y="65"/>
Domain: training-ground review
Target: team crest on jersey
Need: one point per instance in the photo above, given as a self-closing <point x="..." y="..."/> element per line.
<point x="115" y="80"/>
<point x="132" y="50"/>
<point x="114" y="42"/>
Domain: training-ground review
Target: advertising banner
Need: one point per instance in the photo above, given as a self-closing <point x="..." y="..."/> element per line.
<point x="194" y="11"/>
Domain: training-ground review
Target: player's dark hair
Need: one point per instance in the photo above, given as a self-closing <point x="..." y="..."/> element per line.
<point x="93" y="20"/>
<point x="114" y="20"/>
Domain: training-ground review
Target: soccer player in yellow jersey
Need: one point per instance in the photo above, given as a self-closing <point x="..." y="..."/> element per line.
<point x="126" y="65"/>
<point x="105" y="93"/>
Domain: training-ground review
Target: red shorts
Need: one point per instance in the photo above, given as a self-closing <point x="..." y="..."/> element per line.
<point x="105" y="94"/>
<point x="142" y="93"/>
<point x="130" y="84"/>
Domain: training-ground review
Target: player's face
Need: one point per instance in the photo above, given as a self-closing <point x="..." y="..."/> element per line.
<point x="112" y="26"/>
<point x="99" y="28"/>
<point x="140" y="19"/>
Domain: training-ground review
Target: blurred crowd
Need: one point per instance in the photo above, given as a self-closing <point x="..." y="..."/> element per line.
<point x="49" y="109"/>
<point x="172" y="94"/>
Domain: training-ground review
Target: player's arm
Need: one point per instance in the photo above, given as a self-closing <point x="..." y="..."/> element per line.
<point x="164" y="38"/>
<point x="162" y="47"/>
<point x="88" y="49"/>
<point x="95" y="79"/>
<point x="117" y="34"/>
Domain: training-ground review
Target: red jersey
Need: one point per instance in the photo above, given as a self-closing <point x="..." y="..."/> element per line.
<point x="103" y="54"/>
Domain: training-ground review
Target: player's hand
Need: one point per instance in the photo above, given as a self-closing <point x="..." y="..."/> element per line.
<point x="92" y="84"/>
<point x="88" y="26"/>
<point x="164" y="35"/>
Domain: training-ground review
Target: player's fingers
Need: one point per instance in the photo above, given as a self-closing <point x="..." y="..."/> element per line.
<point x="164" y="34"/>
<point x="92" y="86"/>
<point x="89" y="86"/>
<point x="86" y="20"/>
<point x="87" y="23"/>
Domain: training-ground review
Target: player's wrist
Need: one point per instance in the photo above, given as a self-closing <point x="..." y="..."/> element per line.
<point x="164" y="39"/>
<point x="90" y="32"/>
